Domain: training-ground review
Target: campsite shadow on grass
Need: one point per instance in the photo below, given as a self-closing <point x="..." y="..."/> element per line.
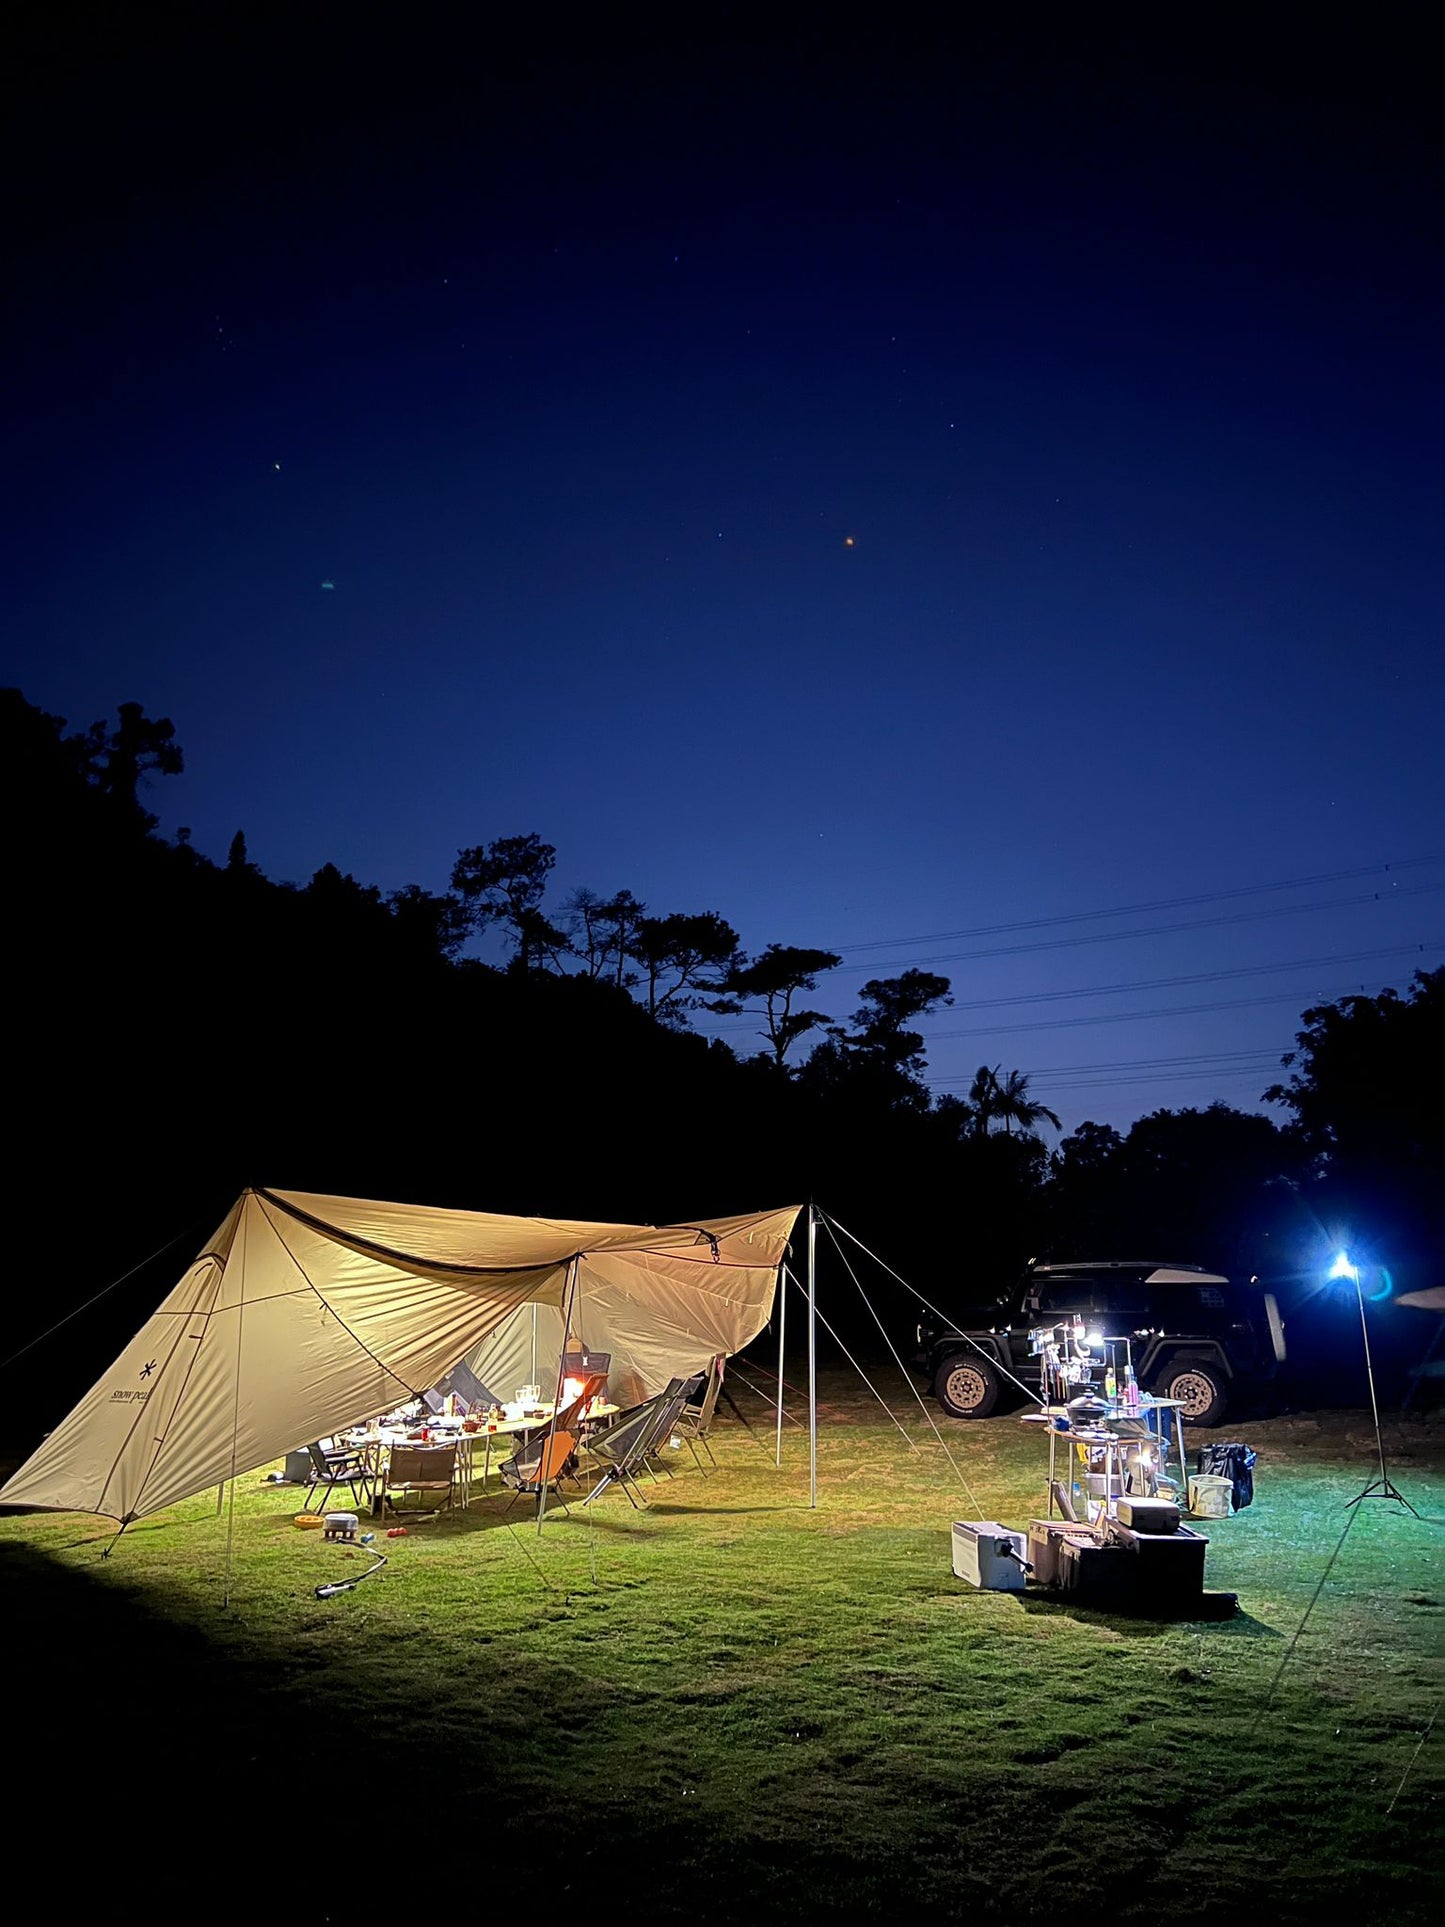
<point x="269" y="1759"/>
<point x="1142" y="1625"/>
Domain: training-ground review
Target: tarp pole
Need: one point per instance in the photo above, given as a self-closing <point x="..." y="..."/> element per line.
<point x="812" y="1356"/>
<point x="782" y="1327"/>
<point x="573" y="1268"/>
<point x="235" y="1423"/>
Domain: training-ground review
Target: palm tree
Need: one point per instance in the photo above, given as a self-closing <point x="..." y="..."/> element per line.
<point x="983" y="1100"/>
<point x="993" y="1096"/>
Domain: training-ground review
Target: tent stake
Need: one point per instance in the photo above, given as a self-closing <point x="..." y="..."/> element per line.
<point x="812" y="1356"/>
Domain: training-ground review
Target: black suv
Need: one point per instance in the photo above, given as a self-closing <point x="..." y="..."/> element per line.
<point x="1194" y="1335"/>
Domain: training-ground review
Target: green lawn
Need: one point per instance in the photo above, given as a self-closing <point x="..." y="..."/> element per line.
<point x="737" y="1708"/>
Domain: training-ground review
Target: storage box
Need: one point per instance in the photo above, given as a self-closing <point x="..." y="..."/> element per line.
<point x="988" y="1555"/>
<point x="1149" y="1515"/>
<point x="1105" y="1576"/>
<point x="1046" y="1536"/>
<point x="1169" y="1566"/>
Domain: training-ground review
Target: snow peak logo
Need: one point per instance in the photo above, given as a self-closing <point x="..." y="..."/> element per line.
<point x="135" y="1397"/>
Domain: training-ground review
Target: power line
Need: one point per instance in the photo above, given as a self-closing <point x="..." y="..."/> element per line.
<point x="1200" y="976"/>
<point x="1139" y="909"/>
<point x="1184" y="1059"/>
<point x="1167" y="929"/>
<point x="1123" y="1080"/>
<point x="1431" y="944"/>
<point x="1300" y="997"/>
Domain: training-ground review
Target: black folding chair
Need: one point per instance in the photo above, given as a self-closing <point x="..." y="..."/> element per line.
<point x="332" y="1468"/>
<point x="694" y="1422"/>
<point x="626" y="1447"/>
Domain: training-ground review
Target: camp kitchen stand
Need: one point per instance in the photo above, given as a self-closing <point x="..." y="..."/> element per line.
<point x="1125" y="1548"/>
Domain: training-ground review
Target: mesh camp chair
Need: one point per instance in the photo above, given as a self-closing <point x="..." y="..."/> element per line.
<point x="462" y="1383"/>
<point x="628" y="1446"/>
<point x="694" y="1422"/>
<point x="419" y="1478"/>
<point x="332" y="1466"/>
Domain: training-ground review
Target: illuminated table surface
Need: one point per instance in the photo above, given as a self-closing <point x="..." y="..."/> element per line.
<point x="376" y="1444"/>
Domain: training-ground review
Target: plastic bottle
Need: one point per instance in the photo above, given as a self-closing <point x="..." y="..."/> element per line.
<point x="1131" y="1389"/>
<point x="1111" y="1384"/>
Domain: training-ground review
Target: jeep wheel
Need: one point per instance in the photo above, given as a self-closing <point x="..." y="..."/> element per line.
<point x="1200" y="1387"/>
<point x="966" y="1386"/>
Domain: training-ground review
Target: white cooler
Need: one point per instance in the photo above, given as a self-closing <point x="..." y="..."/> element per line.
<point x="987" y="1554"/>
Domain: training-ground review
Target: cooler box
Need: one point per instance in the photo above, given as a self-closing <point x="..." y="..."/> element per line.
<point x="298" y="1468"/>
<point x="988" y="1555"/>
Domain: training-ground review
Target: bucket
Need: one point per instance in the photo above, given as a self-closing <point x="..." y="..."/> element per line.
<point x="1210" y="1496"/>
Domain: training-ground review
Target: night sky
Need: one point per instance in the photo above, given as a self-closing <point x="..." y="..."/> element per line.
<point x="971" y="503"/>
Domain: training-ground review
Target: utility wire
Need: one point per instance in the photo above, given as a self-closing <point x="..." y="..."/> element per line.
<point x="1128" y="985"/>
<point x="1142" y="1063"/>
<point x="1140" y="909"/>
<point x="1296" y="997"/>
<point x="1198" y="977"/>
<point x="1167" y="929"/>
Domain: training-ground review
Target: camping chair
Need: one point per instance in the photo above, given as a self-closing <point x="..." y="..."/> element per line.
<point x="570" y="1418"/>
<point x="332" y="1466"/>
<point x="694" y="1422"/>
<point x="462" y="1383"/>
<point x="668" y="1432"/>
<point x="627" y="1446"/>
<point x="556" y="1461"/>
<point x="419" y="1478"/>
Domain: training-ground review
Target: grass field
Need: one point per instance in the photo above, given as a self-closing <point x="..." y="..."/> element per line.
<point x="733" y="1707"/>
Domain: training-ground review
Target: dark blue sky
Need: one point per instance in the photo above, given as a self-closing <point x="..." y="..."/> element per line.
<point x="574" y="363"/>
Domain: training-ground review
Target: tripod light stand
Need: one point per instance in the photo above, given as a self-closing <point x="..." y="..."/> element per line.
<point x="1382" y="1487"/>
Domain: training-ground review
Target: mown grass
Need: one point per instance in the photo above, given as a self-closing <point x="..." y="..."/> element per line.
<point x="734" y="1707"/>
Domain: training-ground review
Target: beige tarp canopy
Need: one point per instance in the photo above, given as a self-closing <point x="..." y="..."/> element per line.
<point x="304" y="1314"/>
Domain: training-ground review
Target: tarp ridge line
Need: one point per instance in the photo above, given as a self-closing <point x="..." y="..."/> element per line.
<point x="409" y="1258"/>
<point x="427" y="1264"/>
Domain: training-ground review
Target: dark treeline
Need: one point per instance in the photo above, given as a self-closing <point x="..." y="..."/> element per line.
<point x="181" y="1028"/>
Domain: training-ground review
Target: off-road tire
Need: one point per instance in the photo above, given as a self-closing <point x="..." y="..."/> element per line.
<point x="966" y="1386"/>
<point x="1200" y="1384"/>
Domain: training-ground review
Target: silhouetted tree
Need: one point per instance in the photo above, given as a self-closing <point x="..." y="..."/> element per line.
<point x="1007" y="1100"/>
<point x="1364" y="1087"/>
<point x="880" y="1060"/>
<point x="431" y="925"/>
<point x="695" y="952"/>
<point x="782" y="972"/>
<point x="603" y="931"/>
<point x="503" y="883"/>
<point x="120" y="759"/>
